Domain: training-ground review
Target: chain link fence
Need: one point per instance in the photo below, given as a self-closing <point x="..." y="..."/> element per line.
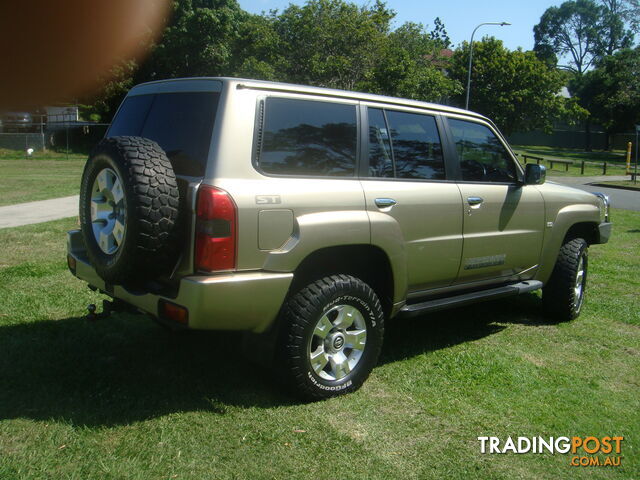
<point x="46" y="132"/>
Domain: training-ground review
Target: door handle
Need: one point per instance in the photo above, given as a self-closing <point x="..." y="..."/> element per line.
<point x="385" y="202"/>
<point x="475" y="201"/>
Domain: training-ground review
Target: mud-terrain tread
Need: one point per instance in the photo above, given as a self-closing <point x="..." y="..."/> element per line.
<point x="299" y="314"/>
<point x="152" y="190"/>
<point x="558" y="294"/>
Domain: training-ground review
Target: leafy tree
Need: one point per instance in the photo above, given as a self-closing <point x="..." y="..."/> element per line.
<point x="413" y="64"/>
<point x="628" y="11"/>
<point x="198" y="40"/>
<point x="101" y="106"/>
<point x="257" y="51"/>
<point x="439" y="33"/>
<point x="611" y="91"/>
<point x="514" y="88"/>
<point x="331" y="43"/>
<point x="614" y="33"/>
<point x="584" y="31"/>
<point x="573" y="29"/>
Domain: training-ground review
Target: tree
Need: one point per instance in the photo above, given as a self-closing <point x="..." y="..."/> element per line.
<point x="574" y="29"/>
<point x="331" y="43"/>
<point x="614" y="35"/>
<point x="439" y="33"/>
<point x="413" y="64"/>
<point x="585" y="31"/>
<point x="198" y="41"/>
<point x="100" y="107"/>
<point x="257" y="51"/>
<point x="611" y="91"/>
<point x="628" y="11"/>
<point x="518" y="91"/>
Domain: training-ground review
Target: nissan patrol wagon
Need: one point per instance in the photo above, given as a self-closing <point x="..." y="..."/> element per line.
<point x="309" y="217"/>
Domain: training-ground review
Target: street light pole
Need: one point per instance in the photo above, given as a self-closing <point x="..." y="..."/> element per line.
<point x="502" y="24"/>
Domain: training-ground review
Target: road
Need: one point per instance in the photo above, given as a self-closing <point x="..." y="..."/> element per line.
<point x="625" y="199"/>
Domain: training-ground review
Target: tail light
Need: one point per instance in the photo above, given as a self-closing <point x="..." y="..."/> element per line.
<point x="216" y="230"/>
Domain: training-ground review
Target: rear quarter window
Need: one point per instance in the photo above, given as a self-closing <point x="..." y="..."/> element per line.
<point x="308" y="138"/>
<point x="181" y="123"/>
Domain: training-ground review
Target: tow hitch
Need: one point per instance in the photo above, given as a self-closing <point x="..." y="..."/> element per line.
<point x="109" y="307"/>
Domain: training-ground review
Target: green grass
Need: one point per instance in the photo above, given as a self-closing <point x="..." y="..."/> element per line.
<point x="123" y="398"/>
<point x="616" y="160"/>
<point x="46" y="175"/>
<point x="7" y="154"/>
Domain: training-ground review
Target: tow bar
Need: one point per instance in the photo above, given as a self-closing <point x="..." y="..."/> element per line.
<point x="108" y="307"/>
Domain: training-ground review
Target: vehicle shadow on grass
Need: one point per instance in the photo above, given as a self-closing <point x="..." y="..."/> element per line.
<point x="405" y="338"/>
<point x="124" y="369"/>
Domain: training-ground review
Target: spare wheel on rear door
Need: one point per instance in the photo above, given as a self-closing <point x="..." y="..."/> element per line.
<point x="129" y="205"/>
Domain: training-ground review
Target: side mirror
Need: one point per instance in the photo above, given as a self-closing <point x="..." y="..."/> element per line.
<point x="534" y="174"/>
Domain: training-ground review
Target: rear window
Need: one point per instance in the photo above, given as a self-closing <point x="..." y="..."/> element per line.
<point x="181" y="123"/>
<point x="308" y="138"/>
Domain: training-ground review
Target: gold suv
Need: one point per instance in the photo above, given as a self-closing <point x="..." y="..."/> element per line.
<point x="309" y="217"/>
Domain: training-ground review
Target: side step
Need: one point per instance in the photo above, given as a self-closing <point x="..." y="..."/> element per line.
<point x="414" y="309"/>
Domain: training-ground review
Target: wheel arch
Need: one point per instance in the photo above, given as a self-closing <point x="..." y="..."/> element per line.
<point x="587" y="230"/>
<point x="366" y="262"/>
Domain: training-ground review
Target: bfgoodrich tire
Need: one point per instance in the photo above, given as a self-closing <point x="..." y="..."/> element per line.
<point x="563" y="295"/>
<point x="332" y="336"/>
<point x="129" y="205"/>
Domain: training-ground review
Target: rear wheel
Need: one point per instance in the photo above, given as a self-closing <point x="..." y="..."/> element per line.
<point x="333" y="331"/>
<point x="563" y="295"/>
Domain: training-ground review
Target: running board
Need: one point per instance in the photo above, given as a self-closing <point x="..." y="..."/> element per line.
<point x="467" y="298"/>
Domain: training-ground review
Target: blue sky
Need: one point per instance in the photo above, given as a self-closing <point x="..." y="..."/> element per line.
<point x="459" y="16"/>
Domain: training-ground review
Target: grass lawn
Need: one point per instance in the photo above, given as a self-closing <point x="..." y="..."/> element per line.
<point x="123" y="398"/>
<point x="45" y="175"/>
<point x="616" y="160"/>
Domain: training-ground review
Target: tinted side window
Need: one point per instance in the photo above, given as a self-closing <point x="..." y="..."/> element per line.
<point x="306" y="137"/>
<point x="482" y="157"/>
<point x="380" y="159"/>
<point x="415" y="141"/>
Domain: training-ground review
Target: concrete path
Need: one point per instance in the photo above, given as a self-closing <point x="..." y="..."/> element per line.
<point x="37" y="212"/>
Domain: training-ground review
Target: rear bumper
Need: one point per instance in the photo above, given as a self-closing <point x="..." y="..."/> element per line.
<point x="604" y="230"/>
<point x="237" y="301"/>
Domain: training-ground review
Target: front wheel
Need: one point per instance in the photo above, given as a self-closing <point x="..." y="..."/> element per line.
<point x="333" y="331"/>
<point x="563" y="295"/>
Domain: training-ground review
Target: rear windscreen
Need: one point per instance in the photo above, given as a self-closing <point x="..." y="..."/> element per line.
<point x="181" y="123"/>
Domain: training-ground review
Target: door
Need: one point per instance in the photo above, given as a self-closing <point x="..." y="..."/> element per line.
<point x="503" y="219"/>
<point x="408" y="197"/>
